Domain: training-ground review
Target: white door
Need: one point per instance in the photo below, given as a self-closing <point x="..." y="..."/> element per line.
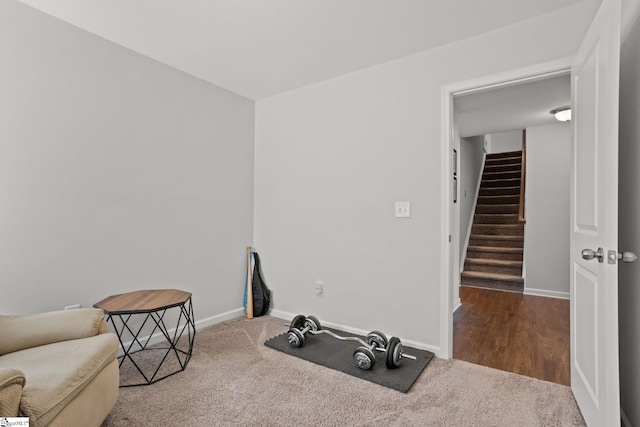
<point x="594" y="220"/>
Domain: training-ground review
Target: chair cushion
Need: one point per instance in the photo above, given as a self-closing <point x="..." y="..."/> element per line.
<point x="22" y="332"/>
<point x="57" y="372"/>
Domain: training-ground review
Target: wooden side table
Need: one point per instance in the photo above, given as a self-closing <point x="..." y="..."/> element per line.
<point x="154" y="305"/>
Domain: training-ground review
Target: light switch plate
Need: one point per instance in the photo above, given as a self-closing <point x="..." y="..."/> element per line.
<point x="403" y="210"/>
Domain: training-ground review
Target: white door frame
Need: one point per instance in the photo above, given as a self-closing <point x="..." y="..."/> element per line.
<point x="480" y="84"/>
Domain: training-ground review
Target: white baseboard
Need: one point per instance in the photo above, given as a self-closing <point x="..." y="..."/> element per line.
<point x="422" y="346"/>
<point x="545" y="293"/>
<point x="416" y="344"/>
<point x="219" y="318"/>
<point x="625" y="420"/>
<point x="158" y="337"/>
<point x="282" y="315"/>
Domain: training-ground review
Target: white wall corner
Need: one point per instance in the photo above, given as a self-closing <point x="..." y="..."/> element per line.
<point x="223" y="317"/>
<point x="457" y="304"/>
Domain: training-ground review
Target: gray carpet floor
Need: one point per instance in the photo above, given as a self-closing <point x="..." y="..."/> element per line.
<point x="234" y="379"/>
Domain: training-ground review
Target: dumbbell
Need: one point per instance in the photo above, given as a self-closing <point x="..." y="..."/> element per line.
<point x="366" y="359"/>
<point x="299" y="327"/>
<point x="302" y="325"/>
<point x="395" y="353"/>
<point x="364" y="356"/>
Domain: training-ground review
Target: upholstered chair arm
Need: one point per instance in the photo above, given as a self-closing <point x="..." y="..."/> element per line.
<point x="22" y="332"/>
<point x="11" y="383"/>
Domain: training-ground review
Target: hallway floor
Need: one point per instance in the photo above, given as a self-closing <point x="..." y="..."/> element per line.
<point x="518" y="333"/>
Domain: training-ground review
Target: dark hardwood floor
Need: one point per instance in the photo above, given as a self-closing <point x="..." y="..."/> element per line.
<point x="524" y="334"/>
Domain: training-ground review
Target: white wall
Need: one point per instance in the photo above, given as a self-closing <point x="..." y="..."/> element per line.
<point x="117" y="173"/>
<point x="471" y="161"/>
<point x="629" y="222"/>
<point x="503" y="142"/>
<point x="332" y="158"/>
<point x="470" y="158"/>
<point x="546" y="243"/>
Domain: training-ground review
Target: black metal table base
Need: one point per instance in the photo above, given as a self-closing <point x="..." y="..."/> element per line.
<point x="184" y="326"/>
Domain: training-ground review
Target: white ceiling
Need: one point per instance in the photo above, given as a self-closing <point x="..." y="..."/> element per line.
<point x="259" y="48"/>
<point x="511" y="108"/>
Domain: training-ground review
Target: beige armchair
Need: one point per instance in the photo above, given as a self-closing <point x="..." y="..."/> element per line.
<point x="58" y="368"/>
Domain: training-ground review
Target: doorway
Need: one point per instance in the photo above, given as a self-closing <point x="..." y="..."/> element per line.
<point x="524" y="334"/>
<point x="450" y="298"/>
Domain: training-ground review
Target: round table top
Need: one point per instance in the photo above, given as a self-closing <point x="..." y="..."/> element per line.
<point x="143" y="301"/>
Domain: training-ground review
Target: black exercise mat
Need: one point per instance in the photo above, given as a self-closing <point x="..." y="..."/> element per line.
<point x="328" y="351"/>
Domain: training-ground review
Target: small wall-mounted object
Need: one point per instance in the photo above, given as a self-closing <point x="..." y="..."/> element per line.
<point x="455" y="175"/>
<point x="403" y="210"/>
<point x="455" y="189"/>
<point x="455" y="162"/>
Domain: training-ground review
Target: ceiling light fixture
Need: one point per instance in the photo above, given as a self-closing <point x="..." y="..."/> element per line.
<point x="562" y="114"/>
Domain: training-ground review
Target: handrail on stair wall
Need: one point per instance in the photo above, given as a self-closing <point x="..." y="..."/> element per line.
<point x="523" y="174"/>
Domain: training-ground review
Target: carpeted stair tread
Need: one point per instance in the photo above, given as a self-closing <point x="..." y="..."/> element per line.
<point x="503" y="205"/>
<point x="494" y="262"/>
<point x="500" y="175"/>
<point x="498" y="229"/>
<point x="500" y="191"/>
<point x="495" y="252"/>
<point x="501" y="167"/>
<point x="495" y="249"/>
<point x="507" y="208"/>
<point x="494" y="225"/>
<point x="494" y="266"/>
<point x="491" y="276"/>
<point x="505" y="154"/>
<point x="496" y="240"/>
<point x="502" y="161"/>
<point x="496" y="218"/>
<point x="491" y="237"/>
<point x="500" y="182"/>
<point x="500" y="199"/>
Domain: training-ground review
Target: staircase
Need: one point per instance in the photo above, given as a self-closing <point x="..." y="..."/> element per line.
<point x="494" y="254"/>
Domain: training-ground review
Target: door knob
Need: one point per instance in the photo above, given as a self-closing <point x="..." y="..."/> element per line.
<point x="613" y="256"/>
<point x="590" y="254"/>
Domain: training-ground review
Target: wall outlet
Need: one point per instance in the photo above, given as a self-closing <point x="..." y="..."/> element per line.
<point x="72" y="307"/>
<point x="403" y="209"/>
<point x="319" y="288"/>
